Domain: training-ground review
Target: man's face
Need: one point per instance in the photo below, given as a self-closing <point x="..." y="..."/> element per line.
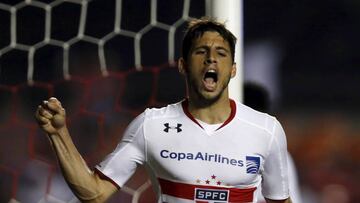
<point x="209" y="67"/>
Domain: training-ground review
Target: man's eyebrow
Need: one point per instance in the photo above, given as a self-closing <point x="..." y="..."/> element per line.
<point x="208" y="47"/>
<point x="202" y="47"/>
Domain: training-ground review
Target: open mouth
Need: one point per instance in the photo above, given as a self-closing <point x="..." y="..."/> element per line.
<point x="210" y="79"/>
<point x="211" y="76"/>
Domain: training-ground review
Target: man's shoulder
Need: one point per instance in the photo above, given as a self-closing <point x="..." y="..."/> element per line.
<point x="168" y="111"/>
<point x="255" y="117"/>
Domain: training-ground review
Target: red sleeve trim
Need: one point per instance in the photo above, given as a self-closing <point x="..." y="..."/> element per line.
<point x="104" y="177"/>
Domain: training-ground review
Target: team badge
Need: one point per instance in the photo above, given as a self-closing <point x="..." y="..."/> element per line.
<point x="211" y="195"/>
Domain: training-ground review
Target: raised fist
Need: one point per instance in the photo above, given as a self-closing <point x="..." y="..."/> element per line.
<point x="50" y="116"/>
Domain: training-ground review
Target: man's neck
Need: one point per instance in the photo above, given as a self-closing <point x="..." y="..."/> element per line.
<point x="216" y="112"/>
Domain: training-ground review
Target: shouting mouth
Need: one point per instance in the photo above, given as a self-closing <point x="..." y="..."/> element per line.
<point x="210" y="79"/>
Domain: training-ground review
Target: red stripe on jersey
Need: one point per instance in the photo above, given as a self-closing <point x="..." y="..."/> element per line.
<point x="185" y="106"/>
<point x="187" y="191"/>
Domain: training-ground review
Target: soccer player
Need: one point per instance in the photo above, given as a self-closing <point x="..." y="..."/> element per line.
<point x="206" y="148"/>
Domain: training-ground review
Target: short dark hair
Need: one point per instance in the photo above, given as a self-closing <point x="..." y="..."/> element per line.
<point x="196" y="29"/>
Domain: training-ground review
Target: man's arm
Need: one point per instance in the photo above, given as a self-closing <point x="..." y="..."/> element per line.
<point x="275" y="184"/>
<point x="85" y="184"/>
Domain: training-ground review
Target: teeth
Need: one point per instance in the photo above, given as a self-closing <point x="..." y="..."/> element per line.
<point x="211" y="74"/>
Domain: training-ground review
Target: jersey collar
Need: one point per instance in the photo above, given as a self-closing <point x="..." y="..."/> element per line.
<point x="185" y="107"/>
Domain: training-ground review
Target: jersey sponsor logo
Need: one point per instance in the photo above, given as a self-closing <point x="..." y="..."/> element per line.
<point x="213" y="195"/>
<point x="168" y="127"/>
<point x="201" y="156"/>
<point x="252" y="164"/>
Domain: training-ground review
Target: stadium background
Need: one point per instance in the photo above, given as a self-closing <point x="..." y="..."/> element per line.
<point x="105" y="75"/>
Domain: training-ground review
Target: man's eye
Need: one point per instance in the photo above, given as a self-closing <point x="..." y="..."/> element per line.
<point x="200" y="52"/>
<point x="222" y="54"/>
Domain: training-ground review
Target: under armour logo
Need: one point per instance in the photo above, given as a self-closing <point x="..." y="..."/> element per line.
<point x="177" y="128"/>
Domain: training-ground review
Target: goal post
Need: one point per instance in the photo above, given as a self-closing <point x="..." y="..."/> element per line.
<point x="230" y="11"/>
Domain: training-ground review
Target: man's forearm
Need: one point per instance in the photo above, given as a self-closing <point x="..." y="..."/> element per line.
<point x="80" y="178"/>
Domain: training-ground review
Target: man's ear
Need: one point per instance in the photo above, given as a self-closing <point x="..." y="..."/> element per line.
<point x="182" y="66"/>
<point x="233" y="70"/>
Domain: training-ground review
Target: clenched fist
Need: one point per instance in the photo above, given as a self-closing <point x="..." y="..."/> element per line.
<point x="50" y="116"/>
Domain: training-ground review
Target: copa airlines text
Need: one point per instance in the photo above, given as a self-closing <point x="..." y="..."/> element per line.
<point x="200" y="156"/>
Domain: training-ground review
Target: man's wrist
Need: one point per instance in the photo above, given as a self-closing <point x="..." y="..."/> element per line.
<point x="59" y="132"/>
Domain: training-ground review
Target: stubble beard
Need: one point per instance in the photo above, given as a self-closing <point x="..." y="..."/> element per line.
<point x="203" y="99"/>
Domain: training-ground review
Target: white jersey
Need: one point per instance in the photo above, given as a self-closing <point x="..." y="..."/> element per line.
<point x="187" y="164"/>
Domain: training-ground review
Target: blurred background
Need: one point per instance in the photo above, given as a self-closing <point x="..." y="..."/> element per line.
<point x="108" y="60"/>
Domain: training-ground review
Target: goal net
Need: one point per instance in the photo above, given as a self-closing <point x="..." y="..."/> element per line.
<point x="106" y="60"/>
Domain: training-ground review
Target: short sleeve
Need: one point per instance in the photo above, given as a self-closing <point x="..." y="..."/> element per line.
<point x="275" y="184"/>
<point x="121" y="164"/>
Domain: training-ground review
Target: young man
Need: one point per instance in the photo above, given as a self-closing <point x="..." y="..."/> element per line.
<point x="207" y="148"/>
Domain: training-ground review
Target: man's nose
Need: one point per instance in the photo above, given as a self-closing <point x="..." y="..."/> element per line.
<point x="210" y="58"/>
